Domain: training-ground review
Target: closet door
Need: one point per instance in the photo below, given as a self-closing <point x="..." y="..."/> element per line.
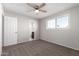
<point x="10" y="30"/>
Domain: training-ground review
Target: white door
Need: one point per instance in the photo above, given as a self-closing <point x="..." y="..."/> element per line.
<point x="10" y="30"/>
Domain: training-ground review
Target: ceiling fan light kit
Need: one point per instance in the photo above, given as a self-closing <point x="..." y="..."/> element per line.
<point x="37" y="11"/>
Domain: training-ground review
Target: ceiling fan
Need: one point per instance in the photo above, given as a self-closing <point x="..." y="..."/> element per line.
<point x="37" y="7"/>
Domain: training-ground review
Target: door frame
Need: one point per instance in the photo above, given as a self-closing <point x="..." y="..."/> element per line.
<point x="31" y="22"/>
<point x="3" y="44"/>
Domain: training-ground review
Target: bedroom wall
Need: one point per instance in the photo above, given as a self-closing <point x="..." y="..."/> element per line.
<point x="65" y="37"/>
<point x="23" y="26"/>
<point x="0" y="28"/>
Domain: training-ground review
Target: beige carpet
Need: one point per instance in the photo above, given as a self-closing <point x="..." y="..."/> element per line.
<point x="38" y="48"/>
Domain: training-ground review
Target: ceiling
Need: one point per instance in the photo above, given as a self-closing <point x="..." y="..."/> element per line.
<point x="24" y="9"/>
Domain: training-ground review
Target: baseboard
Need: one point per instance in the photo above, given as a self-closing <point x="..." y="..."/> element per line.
<point x="19" y="43"/>
<point x="60" y="45"/>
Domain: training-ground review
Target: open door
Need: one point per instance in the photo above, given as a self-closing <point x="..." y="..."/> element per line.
<point x="32" y="29"/>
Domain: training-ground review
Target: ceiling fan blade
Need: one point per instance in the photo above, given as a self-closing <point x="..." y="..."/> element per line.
<point x="43" y="11"/>
<point x="32" y="5"/>
<point x="42" y="5"/>
<point x="30" y="10"/>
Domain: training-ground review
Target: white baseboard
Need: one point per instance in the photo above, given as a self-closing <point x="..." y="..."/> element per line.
<point x="62" y="45"/>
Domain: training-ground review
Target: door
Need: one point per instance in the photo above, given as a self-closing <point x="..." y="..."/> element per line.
<point x="33" y="29"/>
<point x="10" y="30"/>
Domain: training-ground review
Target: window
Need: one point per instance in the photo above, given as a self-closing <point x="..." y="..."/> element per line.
<point x="62" y="22"/>
<point x="58" y="22"/>
<point x="51" y="24"/>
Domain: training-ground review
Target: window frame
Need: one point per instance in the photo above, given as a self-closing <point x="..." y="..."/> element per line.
<point x="61" y="17"/>
<point x="47" y="24"/>
<point x="55" y="18"/>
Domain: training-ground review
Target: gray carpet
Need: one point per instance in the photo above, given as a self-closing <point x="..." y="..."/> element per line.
<point x="38" y="48"/>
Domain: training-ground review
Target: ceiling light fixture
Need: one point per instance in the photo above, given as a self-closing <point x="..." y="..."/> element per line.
<point x="37" y="11"/>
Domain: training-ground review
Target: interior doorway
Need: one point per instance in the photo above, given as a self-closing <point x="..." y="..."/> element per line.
<point x="33" y="29"/>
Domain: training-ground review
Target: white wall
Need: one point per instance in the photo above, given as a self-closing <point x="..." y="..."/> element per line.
<point x="66" y="37"/>
<point x="0" y="28"/>
<point x="23" y="26"/>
